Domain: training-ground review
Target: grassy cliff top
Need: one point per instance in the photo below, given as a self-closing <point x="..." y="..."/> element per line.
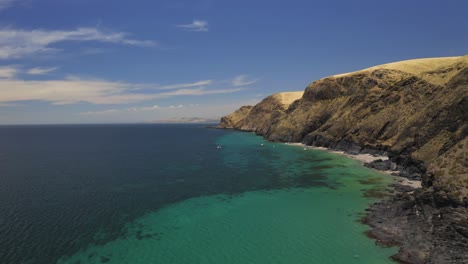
<point x="416" y="110"/>
<point x="434" y="70"/>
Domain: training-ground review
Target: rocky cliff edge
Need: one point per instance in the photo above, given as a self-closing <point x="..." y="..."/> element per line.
<point x="414" y="111"/>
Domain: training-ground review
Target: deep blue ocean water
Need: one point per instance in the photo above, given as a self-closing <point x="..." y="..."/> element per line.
<point x="177" y="194"/>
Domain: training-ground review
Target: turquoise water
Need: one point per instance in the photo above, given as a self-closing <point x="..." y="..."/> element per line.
<point x="283" y="205"/>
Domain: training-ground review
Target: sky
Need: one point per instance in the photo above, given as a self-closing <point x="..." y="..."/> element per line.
<point x="97" y="61"/>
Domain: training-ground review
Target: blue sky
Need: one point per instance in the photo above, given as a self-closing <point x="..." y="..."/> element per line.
<point x="90" y="61"/>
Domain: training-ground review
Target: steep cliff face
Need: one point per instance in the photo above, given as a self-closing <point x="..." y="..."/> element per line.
<point x="231" y="120"/>
<point x="450" y="174"/>
<point x="262" y="116"/>
<point x="416" y="112"/>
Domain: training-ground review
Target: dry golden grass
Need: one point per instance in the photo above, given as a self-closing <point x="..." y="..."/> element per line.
<point x="434" y="70"/>
<point x="287" y="98"/>
<point x="450" y="170"/>
<point x="412" y="108"/>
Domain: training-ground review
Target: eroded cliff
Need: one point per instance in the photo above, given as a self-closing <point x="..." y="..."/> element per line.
<point x="262" y="116"/>
<point x="415" y="111"/>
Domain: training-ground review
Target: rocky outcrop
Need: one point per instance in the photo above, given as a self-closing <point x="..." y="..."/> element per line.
<point x="262" y="116"/>
<point x="415" y="112"/>
<point x="426" y="230"/>
<point x="231" y="120"/>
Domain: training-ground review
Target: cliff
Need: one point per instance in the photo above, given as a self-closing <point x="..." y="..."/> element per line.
<point x="260" y="117"/>
<point x="414" y="111"/>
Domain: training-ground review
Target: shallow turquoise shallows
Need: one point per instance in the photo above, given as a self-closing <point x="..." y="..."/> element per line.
<point x="283" y="204"/>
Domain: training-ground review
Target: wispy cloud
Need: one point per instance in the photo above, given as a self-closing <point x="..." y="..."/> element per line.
<point x="143" y="108"/>
<point x="8" y="72"/>
<point x="176" y="106"/>
<point x="197" y="91"/>
<point x="16" y="43"/>
<point x="103" y="112"/>
<point x="242" y="80"/>
<point x="74" y="90"/>
<point x="67" y="91"/>
<point x="133" y="109"/>
<point x="196" y="25"/>
<point x="11" y="71"/>
<point x="168" y="112"/>
<point x="41" y="71"/>
<point x="4" y="4"/>
<point x="186" y="85"/>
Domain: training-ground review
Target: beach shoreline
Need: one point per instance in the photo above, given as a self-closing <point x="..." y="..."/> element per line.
<point x="367" y="159"/>
<point x="403" y="219"/>
<point x="409" y="217"/>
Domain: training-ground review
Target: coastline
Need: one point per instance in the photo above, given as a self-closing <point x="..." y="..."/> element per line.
<point x="425" y="227"/>
<point x="415" y="115"/>
<point x="368" y="159"/>
<point x="422" y="225"/>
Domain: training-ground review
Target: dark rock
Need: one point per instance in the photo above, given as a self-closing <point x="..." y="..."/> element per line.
<point x="383" y="165"/>
<point x="400" y="115"/>
<point x="323" y="90"/>
<point x="425" y="234"/>
<point x="403" y="188"/>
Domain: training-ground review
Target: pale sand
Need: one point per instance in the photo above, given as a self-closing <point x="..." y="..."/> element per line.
<point x="408" y="182"/>
<point x="365" y="158"/>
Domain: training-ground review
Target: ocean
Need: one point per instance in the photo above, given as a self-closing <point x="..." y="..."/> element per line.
<point x="156" y="193"/>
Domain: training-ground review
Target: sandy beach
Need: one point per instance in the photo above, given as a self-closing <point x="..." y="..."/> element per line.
<point x="366" y="158"/>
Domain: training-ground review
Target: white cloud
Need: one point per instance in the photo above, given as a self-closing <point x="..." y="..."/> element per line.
<point x="41" y="71"/>
<point x="196" y="25"/>
<point x="66" y="91"/>
<point x="242" y="80"/>
<point x="8" y="72"/>
<point x="197" y="91"/>
<point x="186" y="85"/>
<point x="143" y="109"/>
<point x="19" y="43"/>
<point x="74" y="90"/>
<point x="103" y="112"/>
<point x="147" y="113"/>
<point x="133" y="109"/>
<point x="176" y="106"/>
